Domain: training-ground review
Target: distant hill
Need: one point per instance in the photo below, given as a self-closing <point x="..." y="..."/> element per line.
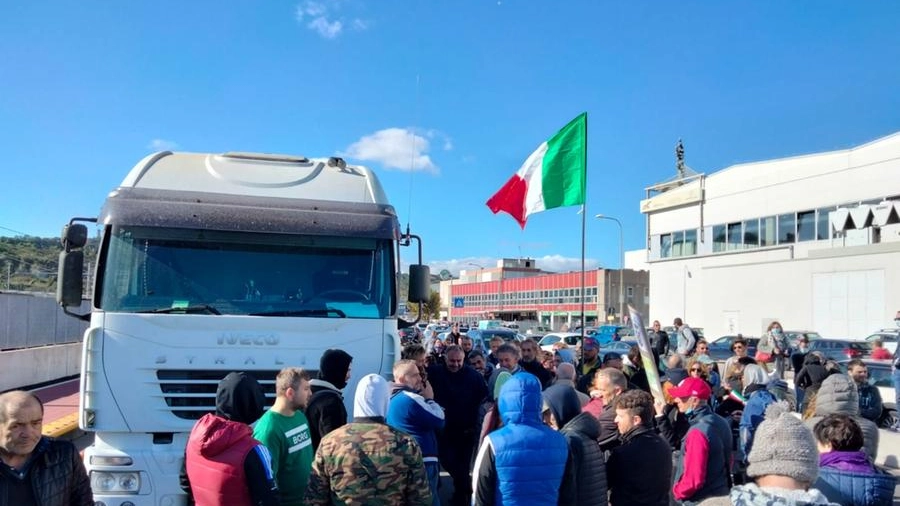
<point x="31" y="262"/>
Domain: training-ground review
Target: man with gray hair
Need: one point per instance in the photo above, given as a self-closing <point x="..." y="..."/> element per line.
<point x="610" y="382"/>
<point x="565" y="375"/>
<point x="37" y="470"/>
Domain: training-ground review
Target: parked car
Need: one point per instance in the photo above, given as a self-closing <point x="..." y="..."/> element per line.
<point x="880" y="375"/>
<point x="609" y="333"/>
<point x="409" y="335"/>
<point x="481" y="338"/>
<point x="888" y="338"/>
<point x="570" y="338"/>
<point x="841" y="349"/>
<point x="720" y="349"/>
<point x="621" y="347"/>
<point x="537" y="331"/>
<point x="794" y="336"/>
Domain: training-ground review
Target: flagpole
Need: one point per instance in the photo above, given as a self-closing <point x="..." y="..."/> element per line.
<point x="583" y="223"/>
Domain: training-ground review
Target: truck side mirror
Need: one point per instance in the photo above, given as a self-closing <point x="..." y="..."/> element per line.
<point x="74" y="236"/>
<point x="419" y="283"/>
<point x="70" y="284"/>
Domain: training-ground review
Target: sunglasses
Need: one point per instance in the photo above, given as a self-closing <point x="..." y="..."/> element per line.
<point x="739" y="347"/>
<point x="696" y="369"/>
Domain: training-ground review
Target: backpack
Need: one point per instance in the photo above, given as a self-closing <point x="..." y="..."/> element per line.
<point x="693" y="346"/>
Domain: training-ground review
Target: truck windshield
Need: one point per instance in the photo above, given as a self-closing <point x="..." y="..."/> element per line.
<point x="156" y="270"/>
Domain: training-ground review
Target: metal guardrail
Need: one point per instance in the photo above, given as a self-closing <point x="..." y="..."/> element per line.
<point x="29" y="320"/>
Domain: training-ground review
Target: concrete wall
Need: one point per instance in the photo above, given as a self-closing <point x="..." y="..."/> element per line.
<point x="30" y="366"/>
<point x="28" y="320"/>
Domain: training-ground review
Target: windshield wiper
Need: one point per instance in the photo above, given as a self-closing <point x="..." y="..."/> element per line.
<point x="303" y="312"/>
<point x="200" y="308"/>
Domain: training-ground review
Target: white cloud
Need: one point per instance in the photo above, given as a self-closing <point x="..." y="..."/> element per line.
<point x="559" y="263"/>
<point x="322" y="18"/>
<point x="325" y="28"/>
<point x="394" y="148"/>
<point x="162" y="145"/>
<point x="310" y="9"/>
<point x="550" y="263"/>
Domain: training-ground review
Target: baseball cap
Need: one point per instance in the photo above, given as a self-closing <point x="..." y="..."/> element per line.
<point x="590" y="344"/>
<point x="692" y="387"/>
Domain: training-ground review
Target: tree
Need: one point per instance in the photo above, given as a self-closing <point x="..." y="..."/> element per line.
<point x="432" y="307"/>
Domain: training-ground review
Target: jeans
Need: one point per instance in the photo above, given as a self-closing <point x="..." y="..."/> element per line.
<point x="895" y="377"/>
<point x="433" y="471"/>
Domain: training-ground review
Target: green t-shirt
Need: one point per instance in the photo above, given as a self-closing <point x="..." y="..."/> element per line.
<point x="288" y="440"/>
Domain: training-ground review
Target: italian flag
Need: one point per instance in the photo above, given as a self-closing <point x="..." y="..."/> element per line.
<point x="552" y="176"/>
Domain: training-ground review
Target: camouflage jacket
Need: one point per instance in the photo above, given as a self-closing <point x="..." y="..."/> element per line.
<point x="368" y="463"/>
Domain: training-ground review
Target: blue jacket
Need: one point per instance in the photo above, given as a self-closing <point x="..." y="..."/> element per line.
<point x="523" y="462"/>
<point x="753" y="415"/>
<point x="858" y="489"/>
<point x="417" y="416"/>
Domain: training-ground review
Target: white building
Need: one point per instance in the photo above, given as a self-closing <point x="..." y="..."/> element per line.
<point x="812" y="241"/>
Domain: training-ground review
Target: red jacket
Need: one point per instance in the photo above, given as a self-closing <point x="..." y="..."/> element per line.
<point x="881" y="354"/>
<point x="594" y="407"/>
<point x="214" y="458"/>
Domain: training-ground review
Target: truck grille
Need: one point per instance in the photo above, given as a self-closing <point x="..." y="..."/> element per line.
<point x="190" y="394"/>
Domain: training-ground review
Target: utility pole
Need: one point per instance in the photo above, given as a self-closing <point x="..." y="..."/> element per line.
<point x="621" y="264"/>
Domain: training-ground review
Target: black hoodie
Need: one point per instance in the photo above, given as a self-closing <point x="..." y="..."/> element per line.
<point x="584" y="481"/>
<point x="326" y="410"/>
<point x="333" y="367"/>
<point x="240" y="398"/>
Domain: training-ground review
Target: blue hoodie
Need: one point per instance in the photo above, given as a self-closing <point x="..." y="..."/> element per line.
<point x="522" y="462"/>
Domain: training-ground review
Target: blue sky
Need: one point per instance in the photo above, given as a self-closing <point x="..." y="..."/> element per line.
<point x="89" y="88"/>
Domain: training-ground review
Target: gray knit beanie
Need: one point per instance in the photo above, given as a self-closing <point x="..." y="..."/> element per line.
<point x="783" y="446"/>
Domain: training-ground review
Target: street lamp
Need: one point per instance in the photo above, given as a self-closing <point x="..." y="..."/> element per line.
<point x="621" y="265"/>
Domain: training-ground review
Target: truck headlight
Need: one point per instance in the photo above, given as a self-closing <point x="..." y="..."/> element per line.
<point x="128" y="482"/>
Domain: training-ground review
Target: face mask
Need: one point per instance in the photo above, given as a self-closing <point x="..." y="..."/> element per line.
<point x="897" y="321"/>
<point x="689" y="411"/>
<point x="776" y="331"/>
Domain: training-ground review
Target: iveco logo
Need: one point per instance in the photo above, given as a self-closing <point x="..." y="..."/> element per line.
<point x="247" y="339"/>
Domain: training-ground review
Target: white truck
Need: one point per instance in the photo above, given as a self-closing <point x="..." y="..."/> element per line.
<point x="211" y="263"/>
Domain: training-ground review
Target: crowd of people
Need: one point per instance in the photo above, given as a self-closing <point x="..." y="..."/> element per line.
<point x="511" y="425"/>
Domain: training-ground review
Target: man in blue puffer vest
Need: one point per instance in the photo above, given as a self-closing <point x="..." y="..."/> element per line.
<point x="523" y="462"/>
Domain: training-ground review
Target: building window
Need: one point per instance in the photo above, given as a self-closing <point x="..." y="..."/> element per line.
<point x="629" y="291"/>
<point x="734" y="236"/>
<point x="767" y="231"/>
<point x="690" y="242"/>
<point x="787" y="228"/>
<point x="677" y="244"/>
<point x="823" y="226"/>
<point x="751" y="233"/>
<point x="719" y="238"/>
<point x="665" y="245"/>
<point x="806" y="226"/>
